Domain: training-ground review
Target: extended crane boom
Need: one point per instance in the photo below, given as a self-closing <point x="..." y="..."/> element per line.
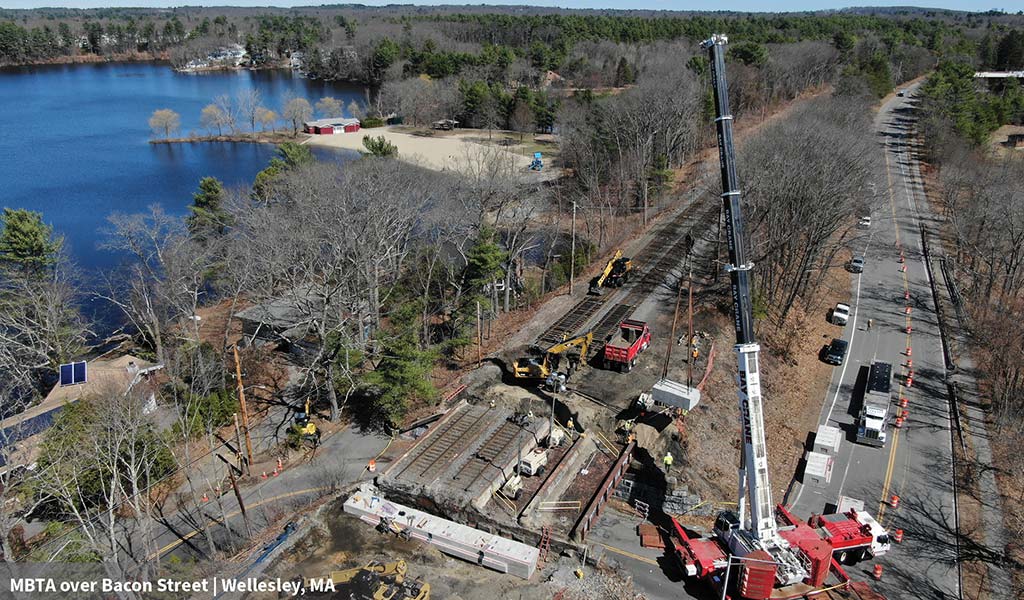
<point x="754" y="462"/>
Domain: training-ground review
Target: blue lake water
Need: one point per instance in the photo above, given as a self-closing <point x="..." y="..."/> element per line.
<point x="74" y="142"/>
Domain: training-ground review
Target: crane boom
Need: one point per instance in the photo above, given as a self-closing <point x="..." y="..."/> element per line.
<point x="753" y="471"/>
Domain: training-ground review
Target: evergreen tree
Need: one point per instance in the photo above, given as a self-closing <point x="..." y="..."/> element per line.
<point x="26" y="243"/>
<point x="623" y="73"/>
<point x="207" y="211"/>
<point x="403" y="373"/>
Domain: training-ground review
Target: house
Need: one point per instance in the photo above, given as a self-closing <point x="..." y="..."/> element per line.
<point x="331" y="126"/>
<point x="124" y="373"/>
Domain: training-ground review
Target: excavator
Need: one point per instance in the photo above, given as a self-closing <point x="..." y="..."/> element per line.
<point x="378" y="581"/>
<point x="305" y="429"/>
<point x="615" y="274"/>
<point x="546" y="362"/>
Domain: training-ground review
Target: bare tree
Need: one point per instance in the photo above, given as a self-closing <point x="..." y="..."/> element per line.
<point x="266" y="117"/>
<point x="212" y="117"/>
<point x="228" y="110"/>
<point x="296" y="111"/>
<point x="165" y="121"/>
<point x="328" y="107"/>
<point x="248" y="102"/>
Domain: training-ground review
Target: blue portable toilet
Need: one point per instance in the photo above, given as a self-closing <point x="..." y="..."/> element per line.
<point x="537" y="163"/>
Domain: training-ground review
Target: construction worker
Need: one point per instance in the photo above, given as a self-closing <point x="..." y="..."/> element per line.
<point x="668" y="462"/>
<point x="870" y="323"/>
<point x="696" y="353"/>
<point x="570" y="426"/>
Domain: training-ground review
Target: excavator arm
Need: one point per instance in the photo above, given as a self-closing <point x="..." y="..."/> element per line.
<point x="598" y="282"/>
<point x="540" y="367"/>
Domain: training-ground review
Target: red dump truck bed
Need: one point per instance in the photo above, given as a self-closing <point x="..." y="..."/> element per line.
<point x="632" y="338"/>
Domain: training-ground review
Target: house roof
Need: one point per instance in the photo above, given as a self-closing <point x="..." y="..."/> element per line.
<point x="104" y="373"/>
<point x="333" y="122"/>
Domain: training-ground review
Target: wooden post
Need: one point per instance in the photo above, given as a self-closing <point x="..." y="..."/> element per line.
<point x="689" y="340"/>
<point x="241" y="504"/>
<point x="238" y="446"/>
<point x="572" y="256"/>
<point x="479" y="336"/>
<point x="672" y="338"/>
<point x="245" y="411"/>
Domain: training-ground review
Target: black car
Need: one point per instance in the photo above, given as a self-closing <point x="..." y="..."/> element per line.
<point x="836" y="353"/>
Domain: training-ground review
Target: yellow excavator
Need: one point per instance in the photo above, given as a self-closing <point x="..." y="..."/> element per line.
<point x="615" y="273"/>
<point x="304" y="428"/>
<point x="379" y="581"/>
<point x="546" y="362"/>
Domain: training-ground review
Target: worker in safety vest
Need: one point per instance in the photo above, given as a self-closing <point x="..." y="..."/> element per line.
<point x="668" y="462"/>
<point x="570" y="426"/>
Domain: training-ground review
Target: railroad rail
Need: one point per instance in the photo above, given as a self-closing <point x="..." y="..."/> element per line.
<point x="493" y="449"/>
<point x="433" y="458"/>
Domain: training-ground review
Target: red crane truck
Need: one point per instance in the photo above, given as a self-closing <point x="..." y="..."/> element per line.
<point x="633" y="338"/>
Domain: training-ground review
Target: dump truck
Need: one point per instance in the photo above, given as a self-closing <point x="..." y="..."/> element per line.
<point x="621" y="351"/>
<point x="873" y="418"/>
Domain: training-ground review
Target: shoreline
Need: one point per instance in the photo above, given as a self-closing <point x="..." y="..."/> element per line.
<point x="273" y="137"/>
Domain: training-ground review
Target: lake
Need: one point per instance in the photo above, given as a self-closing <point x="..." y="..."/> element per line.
<point x="74" y="142"/>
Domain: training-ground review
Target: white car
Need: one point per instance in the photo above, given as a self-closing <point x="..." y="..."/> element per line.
<point x="864" y="223"/>
<point x="841" y="314"/>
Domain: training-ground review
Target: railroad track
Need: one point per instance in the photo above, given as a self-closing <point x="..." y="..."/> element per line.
<point x="570" y="323"/>
<point x="654" y="263"/>
<point x="493" y="449"/>
<point x="435" y="456"/>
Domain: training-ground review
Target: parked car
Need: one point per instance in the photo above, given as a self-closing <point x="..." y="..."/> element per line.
<point x="856" y="265"/>
<point x="840" y="314"/>
<point x="864" y="223"/>
<point x="836" y="353"/>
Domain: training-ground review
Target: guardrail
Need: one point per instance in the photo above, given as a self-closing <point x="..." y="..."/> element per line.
<point x="604" y="491"/>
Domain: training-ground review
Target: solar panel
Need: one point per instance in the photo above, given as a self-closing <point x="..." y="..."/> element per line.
<point x="80" y="372"/>
<point x="67" y="376"/>
<point x="73" y="373"/>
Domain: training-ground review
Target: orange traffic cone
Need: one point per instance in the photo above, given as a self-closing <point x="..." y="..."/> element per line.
<point x="264" y="476"/>
<point x="898" y="537"/>
<point x="280" y="465"/>
<point x="877" y="573"/>
<point x="372" y="465"/>
<point x="205" y="497"/>
<point x="894" y="501"/>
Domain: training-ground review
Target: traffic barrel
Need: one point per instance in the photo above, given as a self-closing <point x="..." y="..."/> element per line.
<point x="205" y="497"/>
<point x="910" y="364"/>
<point x="894" y="501"/>
<point x="898" y="537"/>
<point x="908" y="310"/>
<point x="280" y="465"/>
<point x="910" y="374"/>
<point x="910" y="382"/>
<point x="264" y="475"/>
<point x="901" y="256"/>
<point x="905" y="414"/>
<point x="906" y="295"/>
<point x="903" y="268"/>
<point x="909" y="353"/>
<point x="899" y="422"/>
<point x="903" y="402"/>
<point x="909" y="329"/>
<point x="372" y="466"/>
<point x="877" y="573"/>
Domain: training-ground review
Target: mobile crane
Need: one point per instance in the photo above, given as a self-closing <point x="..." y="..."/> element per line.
<point x="615" y="273"/>
<point x="770" y="559"/>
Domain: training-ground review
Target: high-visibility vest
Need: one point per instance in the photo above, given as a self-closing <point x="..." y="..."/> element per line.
<point x="668" y="459"/>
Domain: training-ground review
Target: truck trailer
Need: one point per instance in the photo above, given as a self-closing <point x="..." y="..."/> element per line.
<point x="874" y="410"/>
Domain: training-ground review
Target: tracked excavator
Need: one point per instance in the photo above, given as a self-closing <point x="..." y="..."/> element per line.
<point x="377" y="581"/>
<point x="305" y="428"/>
<point x="615" y="274"/>
<point x="544" y="364"/>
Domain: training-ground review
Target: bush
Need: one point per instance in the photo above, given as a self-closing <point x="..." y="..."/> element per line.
<point x="371" y="122"/>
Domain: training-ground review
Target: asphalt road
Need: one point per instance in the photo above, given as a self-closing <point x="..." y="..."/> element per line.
<point x="916" y="461"/>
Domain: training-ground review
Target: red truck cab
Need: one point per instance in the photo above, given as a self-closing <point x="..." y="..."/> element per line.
<point x="633" y="337"/>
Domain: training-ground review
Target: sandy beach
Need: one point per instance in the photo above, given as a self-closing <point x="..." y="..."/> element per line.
<point x="444" y="151"/>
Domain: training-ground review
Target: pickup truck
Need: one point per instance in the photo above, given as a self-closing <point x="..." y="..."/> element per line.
<point x="840" y="314"/>
<point x="633" y="338"/>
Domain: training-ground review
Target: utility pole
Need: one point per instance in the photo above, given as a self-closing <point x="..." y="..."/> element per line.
<point x="241" y="504"/>
<point x="238" y="445"/>
<point x="479" y="336"/>
<point x="572" y="256"/>
<point x="245" y="411"/>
